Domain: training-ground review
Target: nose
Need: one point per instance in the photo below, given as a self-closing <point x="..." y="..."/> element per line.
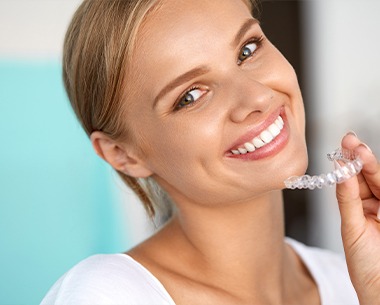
<point x="249" y="97"/>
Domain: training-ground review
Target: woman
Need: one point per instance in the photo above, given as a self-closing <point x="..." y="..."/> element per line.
<point x="194" y="107"/>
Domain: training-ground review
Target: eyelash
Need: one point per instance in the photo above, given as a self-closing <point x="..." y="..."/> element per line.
<point x="256" y="40"/>
<point x="176" y="105"/>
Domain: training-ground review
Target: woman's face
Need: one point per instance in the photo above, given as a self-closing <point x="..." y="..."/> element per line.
<point x="206" y="82"/>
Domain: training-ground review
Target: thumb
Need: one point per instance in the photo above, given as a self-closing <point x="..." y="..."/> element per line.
<point x="351" y="208"/>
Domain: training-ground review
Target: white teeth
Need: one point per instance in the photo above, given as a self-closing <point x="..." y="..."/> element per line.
<point x="264" y="138"/>
<point x="279" y="122"/>
<point x="274" y="130"/>
<point x="258" y="142"/>
<point x="249" y="146"/>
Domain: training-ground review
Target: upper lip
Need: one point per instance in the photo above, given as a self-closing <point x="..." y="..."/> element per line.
<point x="255" y="131"/>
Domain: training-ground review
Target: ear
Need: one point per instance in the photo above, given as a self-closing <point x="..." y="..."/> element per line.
<point x="119" y="156"/>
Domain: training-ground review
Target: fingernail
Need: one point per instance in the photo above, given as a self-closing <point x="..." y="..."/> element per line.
<point x="366" y="146"/>
<point x="352" y="133"/>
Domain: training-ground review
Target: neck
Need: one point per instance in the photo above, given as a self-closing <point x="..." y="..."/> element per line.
<point x="244" y="241"/>
<point x="241" y="229"/>
<point x="237" y="250"/>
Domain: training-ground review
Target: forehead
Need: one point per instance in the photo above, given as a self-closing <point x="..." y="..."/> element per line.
<point x="175" y="21"/>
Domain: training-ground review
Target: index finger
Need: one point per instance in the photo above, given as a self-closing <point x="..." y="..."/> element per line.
<point x="371" y="167"/>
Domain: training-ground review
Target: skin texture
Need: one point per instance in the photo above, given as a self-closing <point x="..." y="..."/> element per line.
<point x="359" y="205"/>
<point x="225" y="243"/>
<point x="191" y="143"/>
<point x="218" y="198"/>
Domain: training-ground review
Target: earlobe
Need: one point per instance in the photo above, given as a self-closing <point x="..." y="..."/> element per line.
<point x="119" y="156"/>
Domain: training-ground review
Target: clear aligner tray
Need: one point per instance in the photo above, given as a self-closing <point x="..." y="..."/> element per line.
<point x="348" y="166"/>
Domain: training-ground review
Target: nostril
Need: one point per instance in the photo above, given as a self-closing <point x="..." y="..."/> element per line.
<point x="251" y="100"/>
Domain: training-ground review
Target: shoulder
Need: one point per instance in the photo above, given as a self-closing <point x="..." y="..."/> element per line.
<point x="329" y="271"/>
<point x="107" y="279"/>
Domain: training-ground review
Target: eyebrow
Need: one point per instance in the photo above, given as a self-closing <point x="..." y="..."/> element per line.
<point x="183" y="78"/>
<point x="244" y="28"/>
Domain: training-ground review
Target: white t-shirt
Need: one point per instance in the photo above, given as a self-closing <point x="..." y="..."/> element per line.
<point x="117" y="279"/>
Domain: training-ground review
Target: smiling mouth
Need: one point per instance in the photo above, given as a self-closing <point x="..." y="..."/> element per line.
<point x="264" y="138"/>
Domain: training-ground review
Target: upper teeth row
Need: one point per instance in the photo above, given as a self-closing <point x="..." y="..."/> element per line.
<point x="264" y="138"/>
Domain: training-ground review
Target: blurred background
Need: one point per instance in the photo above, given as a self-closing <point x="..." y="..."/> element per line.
<point x="59" y="203"/>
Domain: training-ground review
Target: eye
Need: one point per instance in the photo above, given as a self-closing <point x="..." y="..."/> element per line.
<point x="190" y="97"/>
<point x="249" y="49"/>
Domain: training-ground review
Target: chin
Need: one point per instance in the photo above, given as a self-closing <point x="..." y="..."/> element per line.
<point x="296" y="166"/>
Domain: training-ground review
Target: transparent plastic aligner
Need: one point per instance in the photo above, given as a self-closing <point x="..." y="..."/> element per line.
<point x="347" y="165"/>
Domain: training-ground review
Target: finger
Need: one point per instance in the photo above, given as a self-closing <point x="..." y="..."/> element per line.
<point x="350" y="206"/>
<point x="350" y="141"/>
<point x="371" y="207"/>
<point x="365" y="191"/>
<point x="369" y="179"/>
<point x="371" y="169"/>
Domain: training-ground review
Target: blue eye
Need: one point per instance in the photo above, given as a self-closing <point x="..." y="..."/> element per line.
<point x="189" y="98"/>
<point x="249" y="49"/>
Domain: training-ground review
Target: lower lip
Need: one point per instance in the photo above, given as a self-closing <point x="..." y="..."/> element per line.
<point x="268" y="150"/>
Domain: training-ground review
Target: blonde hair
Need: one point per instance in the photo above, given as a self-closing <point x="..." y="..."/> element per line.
<point x="98" y="45"/>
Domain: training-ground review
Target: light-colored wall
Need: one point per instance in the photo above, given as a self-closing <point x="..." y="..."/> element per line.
<point x="34" y="29"/>
<point x="343" y="47"/>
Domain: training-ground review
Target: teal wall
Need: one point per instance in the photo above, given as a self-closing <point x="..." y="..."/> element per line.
<point x="58" y="203"/>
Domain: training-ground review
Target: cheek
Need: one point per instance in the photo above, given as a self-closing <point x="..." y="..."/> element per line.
<point x="181" y="158"/>
<point x="181" y="142"/>
<point x="287" y="84"/>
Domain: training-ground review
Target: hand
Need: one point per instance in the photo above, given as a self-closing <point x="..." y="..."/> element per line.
<point x="359" y="204"/>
